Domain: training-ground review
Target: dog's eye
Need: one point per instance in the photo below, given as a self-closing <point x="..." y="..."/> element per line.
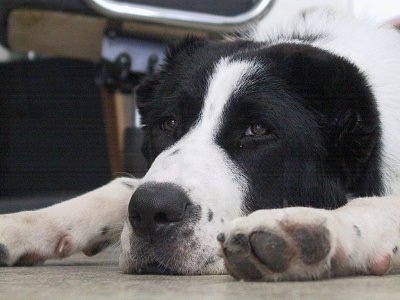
<point x="256" y="129"/>
<point x="168" y="124"/>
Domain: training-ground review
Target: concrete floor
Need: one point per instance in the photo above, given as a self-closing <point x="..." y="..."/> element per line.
<point x="80" y="277"/>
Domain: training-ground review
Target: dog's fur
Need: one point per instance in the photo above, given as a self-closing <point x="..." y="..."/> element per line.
<point x="306" y="115"/>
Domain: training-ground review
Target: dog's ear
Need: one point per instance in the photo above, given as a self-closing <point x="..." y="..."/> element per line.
<point x="185" y="46"/>
<point x="338" y="94"/>
<point x="175" y="51"/>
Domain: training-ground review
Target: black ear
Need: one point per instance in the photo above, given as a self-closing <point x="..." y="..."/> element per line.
<point x="185" y="46"/>
<point x="175" y="52"/>
<point x="354" y="147"/>
<point x="338" y="94"/>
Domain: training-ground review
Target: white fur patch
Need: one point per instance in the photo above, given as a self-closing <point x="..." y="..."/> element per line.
<point x="227" y="79"/>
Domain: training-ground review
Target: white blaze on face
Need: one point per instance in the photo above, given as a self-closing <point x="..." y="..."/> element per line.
<point x="196" y="162"/>
<point x="226" y="80"/>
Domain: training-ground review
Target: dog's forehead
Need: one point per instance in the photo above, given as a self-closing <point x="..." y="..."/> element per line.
<point x="227" y="79"/>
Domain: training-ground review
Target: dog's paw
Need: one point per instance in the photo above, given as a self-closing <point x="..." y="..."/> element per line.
<point x="15" y="247"/>
<point x="285" y="244"/>
<point x="9" y="240"/>
<point x="26" y="240"/>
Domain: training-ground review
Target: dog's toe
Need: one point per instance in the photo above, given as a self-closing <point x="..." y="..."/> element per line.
<point x="238" y="244"/>
<point x="238" y="258"/>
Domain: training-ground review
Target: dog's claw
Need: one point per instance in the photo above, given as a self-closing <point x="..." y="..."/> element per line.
<point x="221" y="237"/>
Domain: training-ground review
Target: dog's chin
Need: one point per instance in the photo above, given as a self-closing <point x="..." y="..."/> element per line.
<point x="196" y="255"/>
<point x="213" y="265"/>
<point x="161" y="269"/>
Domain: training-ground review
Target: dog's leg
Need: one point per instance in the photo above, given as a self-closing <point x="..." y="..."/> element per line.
<point x="301" y="243"/>
<point x="86" y="223"/>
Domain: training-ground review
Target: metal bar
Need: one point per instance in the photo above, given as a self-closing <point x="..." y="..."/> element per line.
<point x="187" y="19"/>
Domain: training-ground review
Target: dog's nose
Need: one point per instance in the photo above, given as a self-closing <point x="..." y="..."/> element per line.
<point x="156" y="207"/>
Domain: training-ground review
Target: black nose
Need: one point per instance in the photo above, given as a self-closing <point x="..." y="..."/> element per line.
<point x="157" y="207"/>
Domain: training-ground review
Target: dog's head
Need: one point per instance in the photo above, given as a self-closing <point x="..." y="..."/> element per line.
<point x="236" y="126"/>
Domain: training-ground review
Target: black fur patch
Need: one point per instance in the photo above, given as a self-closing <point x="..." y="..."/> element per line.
<point x="210" y="215"/>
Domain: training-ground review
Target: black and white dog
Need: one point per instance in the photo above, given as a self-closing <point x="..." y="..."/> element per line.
<point x="256" y="146"/>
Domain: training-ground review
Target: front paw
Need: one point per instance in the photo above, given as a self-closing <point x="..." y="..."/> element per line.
<point x="28" y="239"/>
<point x="285" y="244"/>
<point x="15" y="248"/>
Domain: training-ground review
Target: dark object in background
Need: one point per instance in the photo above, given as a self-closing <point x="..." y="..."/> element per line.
<point x="52" y="133"/>
<point x="134" y="163"/>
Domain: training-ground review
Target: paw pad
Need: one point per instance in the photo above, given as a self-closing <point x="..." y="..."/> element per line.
<point x="237" y="255"/>
<point x="312" y="241"/>
<point x="272" y="250"/>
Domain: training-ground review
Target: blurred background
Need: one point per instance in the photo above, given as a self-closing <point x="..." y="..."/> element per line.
<point x="68" y="71"/>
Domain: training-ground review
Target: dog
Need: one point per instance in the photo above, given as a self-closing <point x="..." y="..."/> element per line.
<point x="274" y="155"/>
